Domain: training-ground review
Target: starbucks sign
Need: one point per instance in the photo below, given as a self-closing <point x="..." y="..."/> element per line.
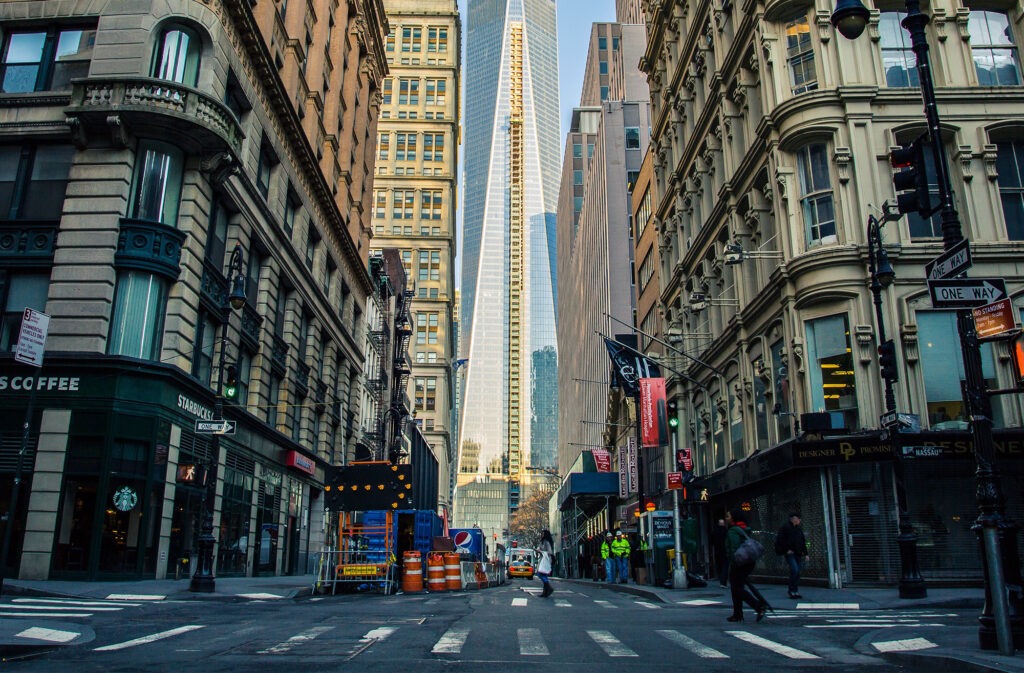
<point x="125" y="499"/>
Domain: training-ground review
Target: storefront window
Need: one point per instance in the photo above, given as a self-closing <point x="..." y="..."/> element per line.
<point x="943" y="371"/>
<point x="830" y="370"/>
<point x="236" y="509"/>
<point x="74" y="532"/>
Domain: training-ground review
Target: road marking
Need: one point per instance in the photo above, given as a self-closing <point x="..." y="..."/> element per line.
<point x="135" y="597"/>
<point x="562" y="604"/>
<point x="778" y="648"/>
<point x="908" y="645"/>
<point x="645" y="604"/>
<point x="153" y="637"/>
<point x="58" y="608"/>
<point x="518" y="602"/>
<point x="863" y="626"/>
<point x="531" y="644"/>
<point x="379" y="633"/>
<point x="60" y="601"/>
<point x="51" y="635"/>
<point x="605" y="604"/>
<point x="296" y="640"/>
<point x="700" y="602"/>
<point x="46" y="614"/>
<point x="260" y="596"/>
<point x="610" y="644"/>
<point x="699" y="649"/>
<point x="451" y="642"/>
<point x="828" y="606"/>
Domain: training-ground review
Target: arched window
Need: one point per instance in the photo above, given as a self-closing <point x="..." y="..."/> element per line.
<point x="177" y="55"/>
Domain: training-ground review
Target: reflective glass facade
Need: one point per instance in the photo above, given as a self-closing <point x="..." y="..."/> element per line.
<point x="512" y="173"/>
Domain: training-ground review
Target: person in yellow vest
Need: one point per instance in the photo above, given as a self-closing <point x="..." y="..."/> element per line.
<point x="610" y="565"/>
<point x="620" y="550"/>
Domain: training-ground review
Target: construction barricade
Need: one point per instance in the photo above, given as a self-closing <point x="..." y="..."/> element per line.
<point x="412" y="574"/>
<point x="452" y="572"/>
<point x="435" y="572"/>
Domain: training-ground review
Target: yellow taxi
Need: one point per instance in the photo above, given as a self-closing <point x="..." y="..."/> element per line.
<point x="520" y="568"/>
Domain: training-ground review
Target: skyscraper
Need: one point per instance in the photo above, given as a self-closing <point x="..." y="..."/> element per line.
<point x="512" y="136"/>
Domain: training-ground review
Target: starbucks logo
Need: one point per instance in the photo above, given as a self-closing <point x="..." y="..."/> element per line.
<point x="125" y="499"/>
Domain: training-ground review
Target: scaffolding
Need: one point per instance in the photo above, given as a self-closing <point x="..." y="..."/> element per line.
<point x="361" y="556"/>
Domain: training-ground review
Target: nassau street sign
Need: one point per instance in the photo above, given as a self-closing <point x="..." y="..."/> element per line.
<point x="224" y="427"/>
<point x="966" y="292"/>
<point x="951" y="263"/>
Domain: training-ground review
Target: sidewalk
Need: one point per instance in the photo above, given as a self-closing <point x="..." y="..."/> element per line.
<point x="957" y="647"/>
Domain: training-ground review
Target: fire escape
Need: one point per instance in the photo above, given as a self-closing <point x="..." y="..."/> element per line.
<point x="378" y="370"/>
<point x="516" y="267"/>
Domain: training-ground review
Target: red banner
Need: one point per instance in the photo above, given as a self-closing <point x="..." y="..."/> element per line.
<point x="675" y="480"/>
<point x="684" y="459"/>
<point x="653" y="418"/>
<point x="602" y="459"/>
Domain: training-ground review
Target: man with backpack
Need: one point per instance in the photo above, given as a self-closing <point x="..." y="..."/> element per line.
<point x="791" y="543"/>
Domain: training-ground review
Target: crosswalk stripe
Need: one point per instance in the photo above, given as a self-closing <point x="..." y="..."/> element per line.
<point x="45" y="614"/>
<point x="58" y="608"/>
<point x="699" y="602"/>
<point x="518" y="602"/>
<point x="296" y="640"/>
<point x="153" y="637"/>
<point x="51" y="635"/>
<point x="451" y="642"/>
<point x="692" y="645"/>
<point x="907" y="645"/>
<point x="645" y="604"/>
<point x="260" y="596"/>
<point x="866" y="626"/>
<point x="828" y="606"/>
<point x="379" y="633"/>
<point x="135" y="597"/>
<point x="606" y="604"/>
<point x="778" y="648"/>
<point x="610" y="644"/>
<point x="562" y="604"/>
<point x="531" y="643"/>
<point x="66" y="601"/>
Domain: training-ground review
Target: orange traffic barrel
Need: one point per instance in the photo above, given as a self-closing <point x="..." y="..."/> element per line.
<point x="452" y="572"/>
<point x="435" y="571"/>
<point x="412" y="574"/>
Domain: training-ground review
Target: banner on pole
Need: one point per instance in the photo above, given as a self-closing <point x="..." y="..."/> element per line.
<point x="623" y="471"/>
<point x="653" y="413"/>
<point x="602" y="459"/>
<point x="629" y="366"/>
<point x="634" y="477"/>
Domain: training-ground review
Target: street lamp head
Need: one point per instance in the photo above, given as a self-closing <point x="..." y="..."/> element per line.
<point x="733" y="254"/>
<point x="885" y="273"/>
<point x="850" y="18"/>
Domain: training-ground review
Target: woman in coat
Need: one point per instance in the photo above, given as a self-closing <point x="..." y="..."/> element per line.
<point x="738" y="573"/>
<point x="547" y="551"/>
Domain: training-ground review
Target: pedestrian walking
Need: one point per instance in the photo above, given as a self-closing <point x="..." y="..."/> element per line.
<point x="792" y="543"/>
<point x="718" y="534"/>
<point x="610" y="565"/>
<point x="620" y="550"/>
<point x="739" y="573"/>
<point x="544" y="564"/>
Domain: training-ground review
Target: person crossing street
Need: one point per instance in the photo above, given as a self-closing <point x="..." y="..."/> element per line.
<point x="620" y="550"/>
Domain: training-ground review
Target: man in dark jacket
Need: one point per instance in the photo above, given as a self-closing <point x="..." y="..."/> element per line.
<point x="792" y="544"/>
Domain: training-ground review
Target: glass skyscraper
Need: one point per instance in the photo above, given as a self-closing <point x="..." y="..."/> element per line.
<point x="512" y="171"/>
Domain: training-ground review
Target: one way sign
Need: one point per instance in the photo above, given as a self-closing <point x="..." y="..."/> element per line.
<point x="965" y="292"/>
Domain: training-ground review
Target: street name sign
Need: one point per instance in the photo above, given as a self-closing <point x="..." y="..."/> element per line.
<point x="994" y="319"/>
<point x="224" y="427"/>
<point x="951" y="263"/>
<point x="966" y="292"/>
<point x="889" y="419"/>
<point x="32" y="337"/>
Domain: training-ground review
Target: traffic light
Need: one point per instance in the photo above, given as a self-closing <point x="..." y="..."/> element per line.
<point x="887" y="360"/>
<point x="230" y="390"/>
<point x="911" y="178"/>
<point x="673" y="414"/>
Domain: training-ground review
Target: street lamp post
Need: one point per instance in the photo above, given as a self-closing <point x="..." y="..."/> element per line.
<point x="203" y="581"/>
<point x="1002" y="618"/>
<point x="882" y="275"/>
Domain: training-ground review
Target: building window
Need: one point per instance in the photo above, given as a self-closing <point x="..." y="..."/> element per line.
<point x="1010" y="164"/>
<point x="312" y="241"/>
<point x="429" y="265"/>
<point x="33" y="181"/>
<point x="217" y="237"/>
<point x="156" y="185"/>
<point x="602" y="67"/>
<point x="408" y="91"/>
<point x="177" y="56"/>
<point x="426" y="328"/>
<point x="898" y="58"/>
<point x="380" y="201"/>
<point x="273" y="399"/>
<point x="400" y="147"/>
<point x="383" y="146"/>
<point x="437" y="40"/>
<point x="412" y="37"/>
<point x="388" y="89"/>
<point x="435" y="92"/>
<point x="577" y="151"/>
<point x="265" y="168"/>
<point x="19" y="291"/>
<point x="402" y="204"/>
<point x="831" y="374"/>
<point x="577" y="177"/>
<point x="45" y="60"/>
<point x="816" y="194"/>
<point x="931" y="227"/>
<point x="205" y="345"/>
<point x="632" y="138"/>
<point x="430" y="204"/>
<point x="646" y="270"/>
<point x="389" y="45"/>
<point x="426" y="393"/>
<point x="995" y="56"/>
<point x="604" y="93"/>
<point x="433" y="147"/>
<point x="136" y="326"/>
<point x="800" y="55"/>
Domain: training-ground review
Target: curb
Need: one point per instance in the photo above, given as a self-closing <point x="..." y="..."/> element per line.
<point x="946" y="661"/>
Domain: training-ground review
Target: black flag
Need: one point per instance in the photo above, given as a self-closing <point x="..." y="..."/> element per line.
<point x="629" y="366"/>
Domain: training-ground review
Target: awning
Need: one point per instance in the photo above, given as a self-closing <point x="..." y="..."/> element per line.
<point x="588" y="491"/>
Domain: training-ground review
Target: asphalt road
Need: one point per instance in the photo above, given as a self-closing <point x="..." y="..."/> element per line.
<point x="585" y="628"/>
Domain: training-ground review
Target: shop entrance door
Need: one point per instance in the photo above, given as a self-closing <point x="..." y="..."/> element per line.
<point x="868" y="541"/>
<point x="265" y="551"/>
